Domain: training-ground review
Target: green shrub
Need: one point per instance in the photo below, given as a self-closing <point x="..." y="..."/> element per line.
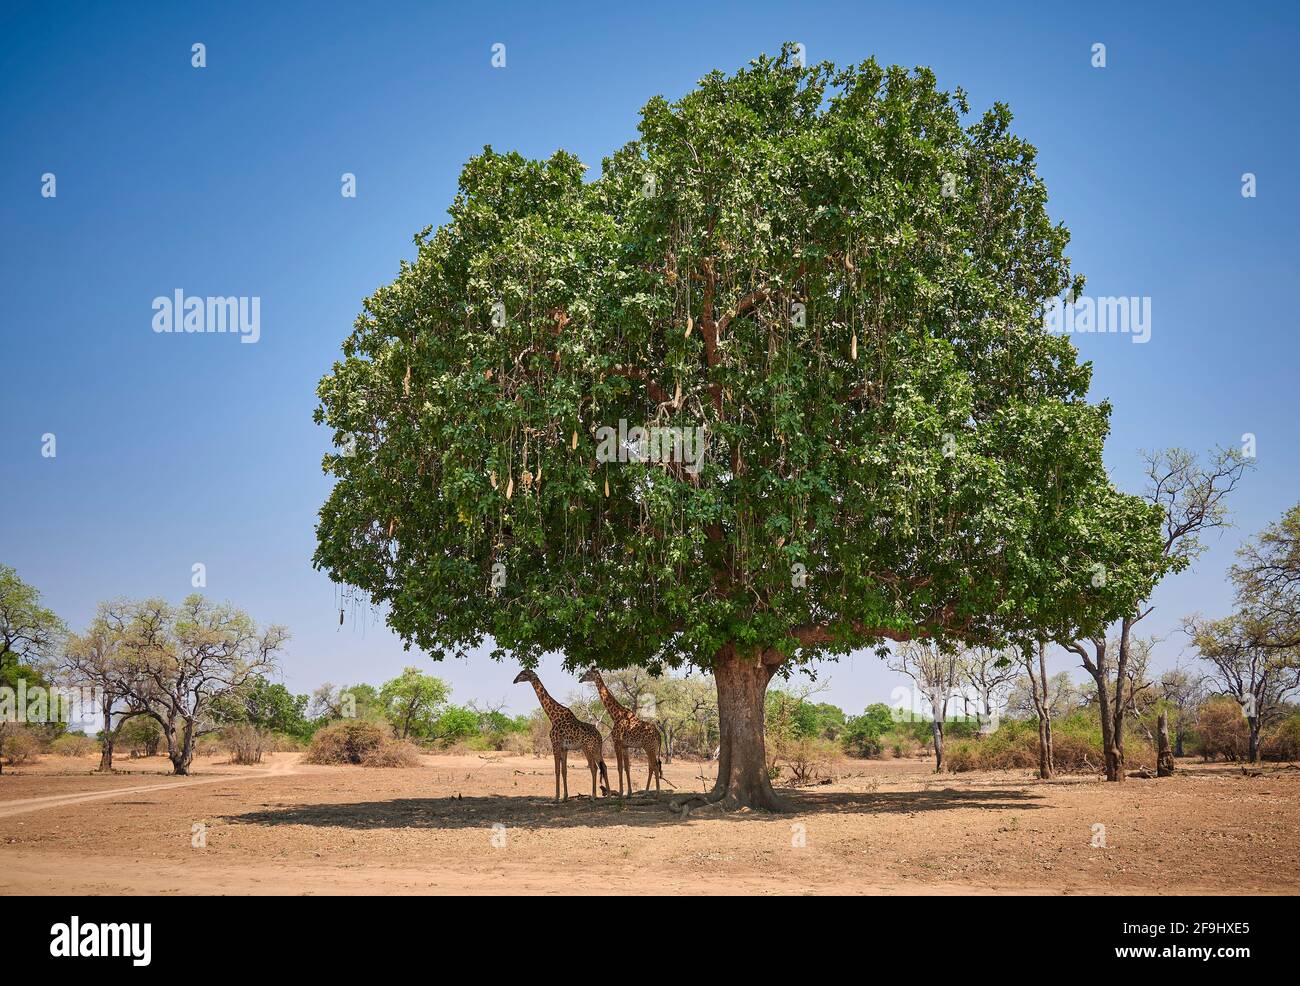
<point x="862" y="734"/>
<point x="141" y="735"/>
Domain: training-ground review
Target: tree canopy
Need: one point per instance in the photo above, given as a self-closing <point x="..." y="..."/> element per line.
<point x="832" y="280"/>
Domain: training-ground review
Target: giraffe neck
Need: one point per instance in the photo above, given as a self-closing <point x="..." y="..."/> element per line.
<point x="553" y="708"/>
<point x="615" y="708"/>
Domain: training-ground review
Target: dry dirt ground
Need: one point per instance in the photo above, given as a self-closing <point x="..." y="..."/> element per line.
<point x="891" y="826"/>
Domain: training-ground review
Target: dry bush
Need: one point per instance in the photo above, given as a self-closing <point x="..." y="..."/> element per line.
<point x="74" y="745"/>
<point x="209" y="745"/>
<point x="961" y="756"/>
<point x="1076" y="748"/>
<point x="517" y="743"/>
<point x="245" y="743"/>
<point x="20" y="743"/>
<point x="809" y="759"/>
<point x="393" y="753"/>
<point x="1282" y="742"/>
<point x="282" y="743"/>
<point x="539" y="731"/>
<point x="1223" y="730"/>
<point x="899" y="745"/>
<point x="358" y="741"/>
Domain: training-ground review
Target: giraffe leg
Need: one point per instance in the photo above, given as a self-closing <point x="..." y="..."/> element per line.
<point x="656" y="765"/>
<point x="627" y="769"/>
<point x="564" y="765"/>
<point x="620" y="754"/>
<point x="557" y="774"/>
<point x="592" y="760"/>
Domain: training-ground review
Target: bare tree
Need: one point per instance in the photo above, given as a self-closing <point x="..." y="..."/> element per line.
<point x="987" y="673"/>
<point x="1259" y="676"/>
<point x="1191" y="498"/>
<point x="178" y="660"/>
<point x="1184" y="692"/>
<point x="1040" y="692"/>
<point x="95" y="660"/>
<point x="936" y="672"/>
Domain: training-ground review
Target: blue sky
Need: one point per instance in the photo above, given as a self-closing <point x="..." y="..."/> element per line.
<point x="175" y="449"/>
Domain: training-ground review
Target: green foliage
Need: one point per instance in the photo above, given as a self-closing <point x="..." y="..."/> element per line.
<point x="141" y="736"/>
<point x="455" y="722"/>
<point x="412" y="702"/>
<point x="862" y="733"/>
<point x="910" y="434"/>
<point x="266" y="706"/>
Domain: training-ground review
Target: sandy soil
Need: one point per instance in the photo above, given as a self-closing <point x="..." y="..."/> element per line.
<point x="883" y="827"/>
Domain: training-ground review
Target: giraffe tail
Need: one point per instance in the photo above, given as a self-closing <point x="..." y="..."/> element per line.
<point x="659" y="769"/>
<point x="604" y="776"/>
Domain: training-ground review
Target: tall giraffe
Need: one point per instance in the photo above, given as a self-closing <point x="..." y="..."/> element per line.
<point x="629" y="730"/>
<point x="568" y="732"/>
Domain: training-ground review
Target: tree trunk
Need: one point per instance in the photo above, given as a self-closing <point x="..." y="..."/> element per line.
<point x="1164" y="757"/>
<point x="1254" y="738"/>
<point x="1115" y="753"/>
<point x="109" y="734"/>
<point x="180" y="754"/>
<point x="936" y="727"/>
<point x="1046" y="763"/>
<point x="1112" y="762"/>
<point x="743" y="780"/>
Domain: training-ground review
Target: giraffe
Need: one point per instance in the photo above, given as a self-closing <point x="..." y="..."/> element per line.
<point x="629" y="730"/>
<point x="568" y="732"/>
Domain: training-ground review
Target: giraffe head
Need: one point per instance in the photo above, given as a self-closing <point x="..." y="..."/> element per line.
<point x="591" y="675"/>
<point x="525" y="675"/>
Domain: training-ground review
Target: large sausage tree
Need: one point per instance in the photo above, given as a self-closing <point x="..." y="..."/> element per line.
<point x="821" y="293"/>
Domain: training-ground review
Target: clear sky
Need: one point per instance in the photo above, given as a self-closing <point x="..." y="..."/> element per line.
<point x="225" y="180"/>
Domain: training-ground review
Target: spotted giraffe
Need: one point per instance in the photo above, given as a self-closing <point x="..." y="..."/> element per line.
<point x="629" y="731"/>
<point x="568" y="732"/>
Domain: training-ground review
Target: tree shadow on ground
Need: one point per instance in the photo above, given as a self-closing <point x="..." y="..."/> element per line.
<point x="642" y="810"/>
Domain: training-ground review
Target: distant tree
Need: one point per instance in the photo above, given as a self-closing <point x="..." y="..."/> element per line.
<point x="862" y="733"/>
<point x="985" y="673"/>
<point x="179" y="660"/>
<point x="330" y="702"/>
<point x="1190" y="498"/>
<point x="265" y="705"/>
<point x="1033" y="660"/>
<point x="412" y="703"/>
<point x="1267" y="576"/>
<point x="935" y="670"/>
<point x="30" y="635"/>
<point x="1260" y="677"/>
<point x="452" y="723"/>
<point x="96" y="659"/>
<point x="1182" y="692"/>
